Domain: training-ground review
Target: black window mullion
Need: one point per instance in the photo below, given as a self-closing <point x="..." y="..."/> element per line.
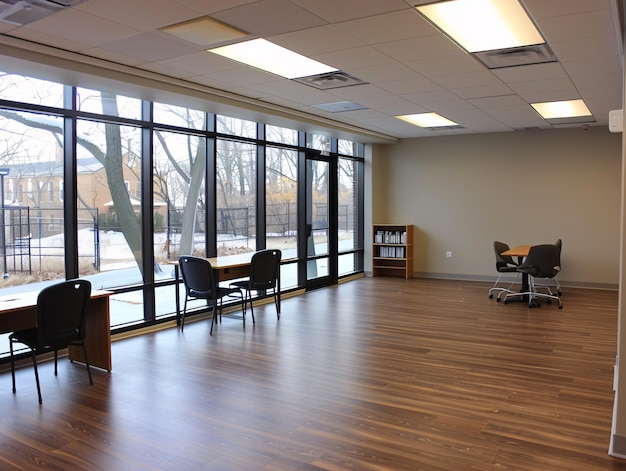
<point x="70" y="190"/>
<point x="148" y="259"/>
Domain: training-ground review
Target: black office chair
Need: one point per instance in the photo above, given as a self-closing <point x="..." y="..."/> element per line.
<point x="199" y="281"/>
<point x="553" y="283"/>
<point x="504" y="264"/>
<point x="60" y="323"/>
<point x="264" y="275"/>
<point x="543" y="262"/>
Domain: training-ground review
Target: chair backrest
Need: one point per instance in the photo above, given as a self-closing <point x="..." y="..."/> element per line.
<point x="543" y="261"/>
<point x="559" y="244"/>
<point x="198" y="275"/>
<point x="264" y="269"/>
<point x="502" y="260"/>
<point x="61" y="312"/>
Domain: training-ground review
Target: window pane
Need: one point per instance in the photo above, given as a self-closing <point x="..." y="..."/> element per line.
<point x="179" y="204"/>
<point x="93" y="101"/>
<point x="31" y="239"/>
<point x="281" y="135"/>
<point x="108" y="157"/>
<point x="348" y="214"/>
<point x="318" y="141"/>
<point x="179" y="116"/>
<point x="281" y="188"/>
<point x="236" y="127"/>
<point x="236" y="189"/>
<point x="30" y="90"/>
<point x="349" y="148"/>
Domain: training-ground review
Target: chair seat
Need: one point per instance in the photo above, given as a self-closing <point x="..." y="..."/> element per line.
<point x="200" y="283"/>
<point x="206" y="294"/>
<point x="27" y="337"/>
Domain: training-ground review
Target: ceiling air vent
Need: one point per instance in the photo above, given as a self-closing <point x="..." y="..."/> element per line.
<point x="516" y="56"/>
<point x="330" y="80"/>
<point x="21" y="12"/>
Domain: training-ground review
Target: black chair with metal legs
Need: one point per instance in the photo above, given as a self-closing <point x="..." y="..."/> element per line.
<point x="504" y="264"/>
<point x="60" y="323"/>
<point x="543" y="262"/>
<point x="264" y="276"/>
<point x="199" y="281"/>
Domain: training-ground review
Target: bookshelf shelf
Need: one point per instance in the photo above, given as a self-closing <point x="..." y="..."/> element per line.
<point x="392" y="250"/>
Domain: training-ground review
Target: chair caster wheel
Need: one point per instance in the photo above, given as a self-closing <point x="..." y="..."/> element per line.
<point x="498" y="299"/>
<point x="506" y="302"/>
<point x="561" y="307"/>
<point x="491" y="296"/>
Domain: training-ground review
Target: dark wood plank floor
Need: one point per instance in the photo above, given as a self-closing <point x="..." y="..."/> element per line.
<point x="374" y="374"/>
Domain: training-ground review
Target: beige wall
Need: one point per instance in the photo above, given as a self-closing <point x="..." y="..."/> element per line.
<point x="527" y="187"/>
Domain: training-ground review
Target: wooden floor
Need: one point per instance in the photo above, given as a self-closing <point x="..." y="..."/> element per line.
<point x="374" y="374"/>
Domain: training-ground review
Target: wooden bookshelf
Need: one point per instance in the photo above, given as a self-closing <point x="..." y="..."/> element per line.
<point x="392" y="250"/>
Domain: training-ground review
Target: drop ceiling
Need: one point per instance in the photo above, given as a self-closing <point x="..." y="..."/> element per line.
<point x="406" y="65"/>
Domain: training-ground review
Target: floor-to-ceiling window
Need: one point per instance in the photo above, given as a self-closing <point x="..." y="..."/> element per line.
<point x="151" y="181"/>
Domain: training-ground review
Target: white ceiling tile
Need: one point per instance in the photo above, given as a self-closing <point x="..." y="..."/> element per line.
<point x="593" y="66"/>
<point x="388" y="27"/>
<point x="318" y="40"/>
<point x="354" y="58"/>
<point x="524" y="88"/>
<point x="467" y="80"/>
<point x="482" y="91"/>
<point x="134" y="14"/>
<point x="587" y="48"/>
<point x="548" y="71"/>
<point x="546" y="9"/>
<point x="74" y="25"/>
<point x="497" y="101"/>
<point x="576" y="26"/>
<point x="269" y="17"/>
<point x="336" y="11"/>
<point x="152" y="47"/>
<point x="416" y="85"/>
<point x="385" y="73"/>
<point x="417" y="49"/>
<point x="214" y="6"/>
<point x="448" y="65"/>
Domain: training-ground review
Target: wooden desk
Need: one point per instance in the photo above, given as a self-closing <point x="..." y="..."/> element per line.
<point x="19" y="312"/>
<point x="518" y="251"/>
<point x="225" y="267"/>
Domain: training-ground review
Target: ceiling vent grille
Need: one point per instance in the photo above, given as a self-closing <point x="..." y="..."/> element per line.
<point x="516" y="56"/>
<point x="21" y="12"/>
<point x="330" y="80"/>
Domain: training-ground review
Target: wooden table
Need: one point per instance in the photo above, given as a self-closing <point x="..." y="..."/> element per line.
<point x="19" y="311"/>
<point x="225" y="267"/>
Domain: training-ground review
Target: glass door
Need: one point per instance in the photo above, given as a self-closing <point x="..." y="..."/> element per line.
<point x="319" y="266"/>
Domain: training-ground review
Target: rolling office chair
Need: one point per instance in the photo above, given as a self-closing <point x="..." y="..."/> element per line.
<point x="543" y="262"/>
<point x="504" y="264"/>
<point x="554" y="282"/>
<point x="264" y="275"/>
<point x="199" y="281"/>
<point x="60" y="323"/>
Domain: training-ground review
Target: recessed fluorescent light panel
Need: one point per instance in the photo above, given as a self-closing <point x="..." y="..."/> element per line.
<point x="427" y="120"/>
<point x="272" y="58"/>
<point x="562" y="109"/>
<point x="483" y="25"/>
